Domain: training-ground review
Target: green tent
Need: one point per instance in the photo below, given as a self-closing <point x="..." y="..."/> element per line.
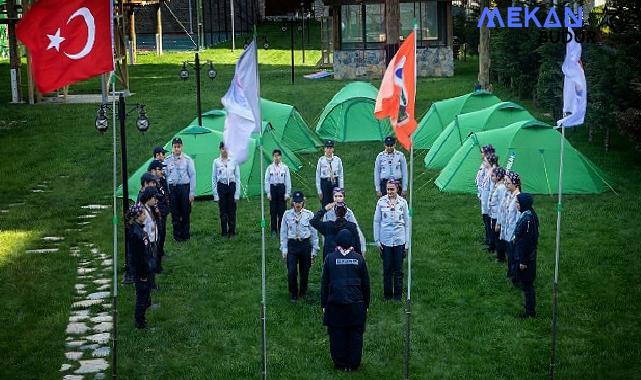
<point x="289" y="126"/>
<point x="201" y="144"/>
<point x="534" y="147"/>
<point x="442" y="113"/>
<point x="349" y="116"/>
<point x="215" y="120"/>
<point x="452" y="138"/>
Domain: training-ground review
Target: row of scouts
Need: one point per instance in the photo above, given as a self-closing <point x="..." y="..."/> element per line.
<point x="510" y="223"/>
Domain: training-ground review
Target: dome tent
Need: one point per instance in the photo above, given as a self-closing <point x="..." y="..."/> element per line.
<point x="349" y="116"/>
<point x="452" y="138"/>
<point x="442" y="113"/>
<point x="289" y="126"/>
<point x="535" y="147"/>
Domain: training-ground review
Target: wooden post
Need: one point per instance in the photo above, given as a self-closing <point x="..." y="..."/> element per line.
<point x="336" y="26"/>
<point x="14" y="53"/>
<point x="392" y="28"/>
<point x="159" y="29"/>
<point x="132" y="34"/>
<point x="484" y="51"/>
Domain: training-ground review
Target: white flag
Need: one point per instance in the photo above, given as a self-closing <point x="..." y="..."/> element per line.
<point x="241" y="104"/>
<point x="575" y="90"/>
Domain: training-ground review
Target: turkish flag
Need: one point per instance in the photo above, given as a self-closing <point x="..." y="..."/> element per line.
<point x="398" y="91"/>
<point x="68" y="40"/>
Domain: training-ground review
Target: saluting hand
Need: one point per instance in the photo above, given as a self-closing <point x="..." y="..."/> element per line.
<point x="191" y="199"/>
<point x="329" y="206"/>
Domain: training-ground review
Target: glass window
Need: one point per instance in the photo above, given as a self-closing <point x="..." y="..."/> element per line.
<point x="375" y="22"/>
<point x="425" y="14"/>
<point x="351" y="23"/>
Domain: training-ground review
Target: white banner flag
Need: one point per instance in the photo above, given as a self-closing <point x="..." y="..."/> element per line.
<point x="575" y="90"/>
<point x="242" y="105"/>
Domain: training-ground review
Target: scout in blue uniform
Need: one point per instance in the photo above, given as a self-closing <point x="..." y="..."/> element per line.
<point x="345" y="296"/>
<point x="490" y="161"/>
<point x="391" y="233"/>
<point x="181" y="177"/>
<point x="496" y="198"/>
<point x="149" y="201"/>
<point x="278" y="187"/>
<point x="155" y="168"/>
<point x="330" y="229"/>
<point x="390" y="164"/>
<point x="298" y="245"/>
<point x="526" y="237"/>
<point x="330" y="216"/>
<point x="225" y="185"/>
<point x="511" y="216"/>
<point x="139" y="251"/>
<point x="481" y="183"/>
<point x="329" y="174"/>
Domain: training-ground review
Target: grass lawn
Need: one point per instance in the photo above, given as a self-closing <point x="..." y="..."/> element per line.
<point x="208" y="323"/>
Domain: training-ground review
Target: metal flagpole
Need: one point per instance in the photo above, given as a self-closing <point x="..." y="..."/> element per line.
<point x="114" y="260"/>
<point x="555" y="285"/>
<point x="408" y="305"/>
<point x="233" y="26"/>
<point x="263" y="223"/>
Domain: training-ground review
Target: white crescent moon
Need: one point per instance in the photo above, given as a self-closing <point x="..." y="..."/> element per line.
<point x="91" y="32"/>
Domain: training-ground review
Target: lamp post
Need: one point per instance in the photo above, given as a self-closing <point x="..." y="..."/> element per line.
<point x="184" y="75"/>
<point x="142" y="124"/>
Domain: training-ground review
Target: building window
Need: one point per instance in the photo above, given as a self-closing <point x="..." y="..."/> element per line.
<point x="362" y="26"/>
<point x="427" y="15"/>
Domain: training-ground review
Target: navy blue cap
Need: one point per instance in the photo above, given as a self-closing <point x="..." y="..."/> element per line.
<point x="389" y="140"/>
<point x="177" y="140"/>
<point x="329" y="143"/>
<point x="147" y="177"/>
<point x="155" y="164"/>
<point x="159" y="149"/>
<point x="298" y="197"/>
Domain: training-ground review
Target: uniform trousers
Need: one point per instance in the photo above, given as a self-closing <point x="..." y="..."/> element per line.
<point x="327" y="189"/>
<point x="530" y="297"/>
<point x="393" y="271"/>
<point x="227" y="208"/>
<point x="180" y="211"/>
<point x="298" y="261"/>
<point x="486" y="226"/>
<point x="143" y="300"/>
<point x="493" y="236"/>
<point x="346" y="346"/>
<point x="276" y="205"/>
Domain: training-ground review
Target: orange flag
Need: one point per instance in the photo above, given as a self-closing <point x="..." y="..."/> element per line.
<point x="398" y="91"/>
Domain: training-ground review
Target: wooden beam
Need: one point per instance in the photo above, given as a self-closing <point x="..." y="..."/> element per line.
<point x="159" y="29"/>
<point x="132" y="35"/>
<point x="392" y="28"/>
<point x="14" y="52"/>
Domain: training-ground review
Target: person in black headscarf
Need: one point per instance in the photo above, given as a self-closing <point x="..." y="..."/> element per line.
<point x="526" y="237"/>
<point x="345" y="296"/>
<point x="330" y="229"/>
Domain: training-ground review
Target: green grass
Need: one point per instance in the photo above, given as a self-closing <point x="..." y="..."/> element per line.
<point x="208" y="324"/>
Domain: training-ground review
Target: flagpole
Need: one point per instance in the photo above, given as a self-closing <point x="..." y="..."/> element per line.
<point x="555" y="285"/>
<point x="114" y="260"/>
<point x="408" y="305"/>
<point x="263" y="303"/>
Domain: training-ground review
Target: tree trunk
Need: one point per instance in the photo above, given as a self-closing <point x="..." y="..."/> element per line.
<point x="484" y="51"/>
<point x="392" y="28"/>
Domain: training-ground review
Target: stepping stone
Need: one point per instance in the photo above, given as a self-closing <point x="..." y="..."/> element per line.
<point x="83" y="223"/>
<point x="102" y="281"/>
<point x="102" y="318"/>
<point x="86" y="270"/>
<point x="4" y="211"/>
<point x="103" y="326"/>
<point x="65" y="367"/>
<point x="77" y="328"/>
<point x="73" y="230"/>
<point x="53" y="238"/>
<point x="96" y="207"/>
<point x="78" y="318"/>
<point x="16" y="204"/>
<point x="82" y="292"/>
<point x="106" y="306"/>
<point x="89" y="347"/>
<point x="107" y="262"/>
<point x="74" y="355"/>
<point x="104" y="287"/>
<point x="75" y="343"/>
<point x="81" y="312"/>
<point x="100" y="376"/>
<point x="37" y="191"/>
<point x="102" y="338"/>
<point x="73" y="377"/>
<point x="87" y="216"/>
<point x="101" y="352"/>
<point x="80" y="286"/>
<point x="85" y="303"/>
<point x="92" y="366"/>
<point x="98" y="295"/>
<point x="94" y="251"/>
<point x="42" y="250"/>
<point x="63" y="176"/>
<point x="42" y="185"/>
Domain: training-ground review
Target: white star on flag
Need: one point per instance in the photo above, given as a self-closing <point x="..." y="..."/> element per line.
<point x="55" y="40"/>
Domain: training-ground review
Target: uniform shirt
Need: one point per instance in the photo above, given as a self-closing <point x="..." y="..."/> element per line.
<point x="390" y="165"/>
<point x="181" y="170"/>
<point x="295" y="225"/>
<point x="329" y="168"/>
<point x="150" y="224"/>
<point x="278" y="174"/>
<point x="511" y="217"/>
<point x="391" y="224"/>
<point x="486" y="189"/>
<point x="498" y="193"/>
<point x="480" y="178"/>
<point x="225" y="171"/>
<point x="330" y="216"/>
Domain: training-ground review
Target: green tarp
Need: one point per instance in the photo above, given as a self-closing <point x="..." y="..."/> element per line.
<point x="349" y="116"/>
<point x="535" y="147"/>
<point x="201" y="144"/>
<point x="289" y="126"/>
<point x="452" y="138"/>
<point x="215" y="120"/>
<point x="442" y="113"/>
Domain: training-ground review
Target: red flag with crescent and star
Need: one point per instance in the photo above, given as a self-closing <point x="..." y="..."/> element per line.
<point x="398" y="91"/>
<point x="68" y="40"/>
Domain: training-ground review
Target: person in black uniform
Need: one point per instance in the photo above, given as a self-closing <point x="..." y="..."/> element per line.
<point x="345" y="295"/>
<point x="155" y="168"/>
<point x="139" y="267"/>
<point x="330" y="229"/>
<point x="526" y="237"/>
